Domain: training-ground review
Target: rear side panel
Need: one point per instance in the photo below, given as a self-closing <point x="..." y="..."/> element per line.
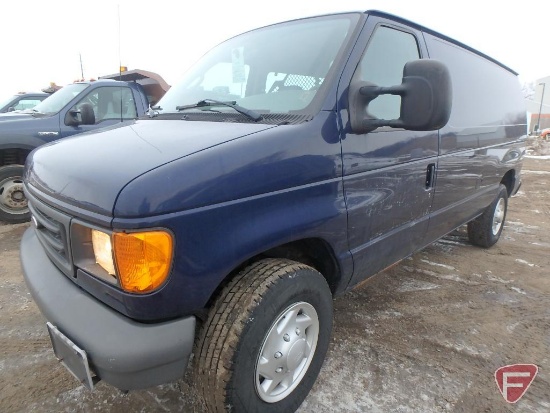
<point x="483" y="139"/>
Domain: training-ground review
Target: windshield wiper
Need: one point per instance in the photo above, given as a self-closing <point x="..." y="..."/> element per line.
<point x="255" y="116"/>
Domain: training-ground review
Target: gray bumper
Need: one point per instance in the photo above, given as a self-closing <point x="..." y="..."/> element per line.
<point x="124" y="353"/>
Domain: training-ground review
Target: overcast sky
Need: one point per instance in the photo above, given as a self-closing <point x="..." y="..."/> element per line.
<point x="42" y="40"/>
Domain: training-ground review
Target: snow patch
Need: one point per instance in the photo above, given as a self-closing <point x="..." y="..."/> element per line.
<point x="447" y="277"/>
<point x="436" y="264"/>
<point x="541" y="157"/>
<point x="390" y="314"/>
<point x="464" y="348"/>
<point x="518" y="290"/>
<point x="456" y="278"/>
<point x="411" y="285"/>
<point x="525" y="262"/>
<point x="527" y="171"/>
<point x="512" y="327"/>
<point x="493" y="278"/>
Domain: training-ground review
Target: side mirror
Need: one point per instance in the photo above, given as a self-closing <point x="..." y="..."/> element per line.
<point x="87" y="114"/>
<point x="11" y="109"/>
<point x="83" y="116"/>
<point x="426" y="99"/>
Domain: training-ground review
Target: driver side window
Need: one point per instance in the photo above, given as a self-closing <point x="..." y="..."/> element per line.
<point x="110" y="103"/>
<point x="382" y="64"/>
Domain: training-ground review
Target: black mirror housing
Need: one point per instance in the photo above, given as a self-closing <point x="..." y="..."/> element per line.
<point x="426" y="99"/>
<point x="87" y="114"/>
<point x="427" y="102"/>
<point x="72" y="118"/>
<point x="83" y="116"/>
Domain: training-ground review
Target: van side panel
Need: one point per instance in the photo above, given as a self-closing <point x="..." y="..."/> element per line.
<point x="482" y="140"/>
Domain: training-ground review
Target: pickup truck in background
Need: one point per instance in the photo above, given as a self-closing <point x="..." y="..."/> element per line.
<point x="76" y="108"/>
<point x="22" y="101"/>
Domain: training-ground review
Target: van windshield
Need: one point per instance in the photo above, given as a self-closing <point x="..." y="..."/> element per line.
<point x="276" y="69"/>
<point x="59" y="99"/>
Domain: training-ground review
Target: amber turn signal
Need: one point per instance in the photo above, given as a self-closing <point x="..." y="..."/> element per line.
<point x="143" y="259"/>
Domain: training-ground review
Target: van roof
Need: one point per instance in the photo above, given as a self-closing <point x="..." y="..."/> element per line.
<point x="437" y="34"/>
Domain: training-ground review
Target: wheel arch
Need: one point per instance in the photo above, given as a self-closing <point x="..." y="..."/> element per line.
<point x="315" y="252"/>
<point x="509" y="181"/>
<point x="13" y="156"/>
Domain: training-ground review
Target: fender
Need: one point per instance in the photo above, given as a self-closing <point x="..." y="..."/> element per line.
<point x="213" y="241"/>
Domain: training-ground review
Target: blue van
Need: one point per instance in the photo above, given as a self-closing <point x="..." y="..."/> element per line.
<point x="290" y="164"/>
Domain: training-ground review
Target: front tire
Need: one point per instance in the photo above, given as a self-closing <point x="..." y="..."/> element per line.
<point x="265" y="339"/>
<point x="13" y="203"/>
<point x="485" y="230"/>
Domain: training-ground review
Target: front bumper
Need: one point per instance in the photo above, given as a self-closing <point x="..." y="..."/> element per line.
<point x="122" y="352"/>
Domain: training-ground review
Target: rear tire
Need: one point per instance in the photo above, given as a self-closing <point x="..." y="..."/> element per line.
<point x="265" y="339"/>
<point x="13" y="203"/>
<point x="485" y="230"/>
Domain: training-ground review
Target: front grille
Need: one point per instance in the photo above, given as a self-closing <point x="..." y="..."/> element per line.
<point x="52" y="230"/>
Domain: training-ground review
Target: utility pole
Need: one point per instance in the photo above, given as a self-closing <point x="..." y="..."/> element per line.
<point x="81" y="67"/>
<point x="540" y="108"/>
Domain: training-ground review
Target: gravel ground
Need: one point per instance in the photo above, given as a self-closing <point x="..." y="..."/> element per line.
<point x="424" y="336"/>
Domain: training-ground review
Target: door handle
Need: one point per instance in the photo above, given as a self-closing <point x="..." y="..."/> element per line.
<point x="430" y="176"/>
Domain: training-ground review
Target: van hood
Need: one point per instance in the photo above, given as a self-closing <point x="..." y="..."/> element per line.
<point x="89" y="170"/>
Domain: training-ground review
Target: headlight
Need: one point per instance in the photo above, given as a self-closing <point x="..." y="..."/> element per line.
<point x="103" y="252"/>
<point x="138" y="262"/>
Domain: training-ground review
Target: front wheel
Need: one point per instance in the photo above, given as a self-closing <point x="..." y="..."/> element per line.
<point x="265" y="339"/>
<point x="13" y="203"/>
<point x="485" y="230"/>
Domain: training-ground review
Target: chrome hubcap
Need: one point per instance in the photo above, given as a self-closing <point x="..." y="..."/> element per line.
<point x="498" y="216"/>
<point x="286" y="352"/>
<point x="12" y="197"/>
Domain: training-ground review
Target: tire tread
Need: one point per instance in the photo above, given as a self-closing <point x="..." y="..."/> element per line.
<point x="480" y="228"/>
<point x="221" y="331"/>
